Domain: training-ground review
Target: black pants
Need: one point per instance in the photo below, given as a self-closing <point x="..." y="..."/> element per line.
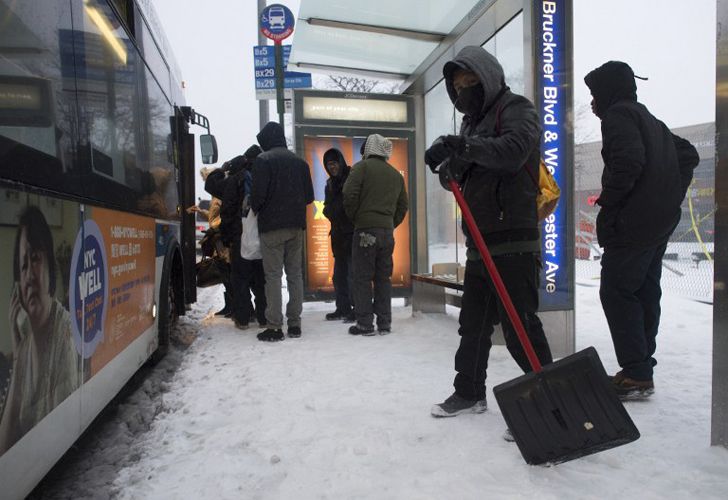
<point x="372" y="261"/>
<point x="630" y="293"/>
<point x="343" y="283"/>
<point x="247" y="275"/>
<point x="482" y="309"/>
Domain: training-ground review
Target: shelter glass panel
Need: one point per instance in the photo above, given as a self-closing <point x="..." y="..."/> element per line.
<point x="374" y="51"/>
<point x="426" y="15"/>
<point x="446" y="242"/>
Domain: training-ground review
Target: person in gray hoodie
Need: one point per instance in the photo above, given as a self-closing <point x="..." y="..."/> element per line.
<point x="495" y="160"/>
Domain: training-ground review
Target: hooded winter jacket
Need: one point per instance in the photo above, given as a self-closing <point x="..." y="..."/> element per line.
<point x="237" y="187"/>
<point x="500" y="143"/>
<point x="647" y="169"/>
<point x="282" y="184"/>
<point x="375" y="194"/>
<point x="341" y="227"/>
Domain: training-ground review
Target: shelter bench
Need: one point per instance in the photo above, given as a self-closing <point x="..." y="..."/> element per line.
<point x="432" y="291"/>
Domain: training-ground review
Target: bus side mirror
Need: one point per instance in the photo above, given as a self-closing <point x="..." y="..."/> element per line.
<point x="208" y="149"/>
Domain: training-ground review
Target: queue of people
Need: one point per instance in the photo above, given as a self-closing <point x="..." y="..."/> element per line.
<point x="495" y="159"/>
<point x="264" y="194"/>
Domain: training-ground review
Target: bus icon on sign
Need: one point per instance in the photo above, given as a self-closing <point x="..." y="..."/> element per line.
<point x="276" y="22"/>
<point x="276" y="18"/>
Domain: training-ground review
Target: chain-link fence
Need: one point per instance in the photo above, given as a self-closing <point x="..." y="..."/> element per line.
<point x="688" y="263"/>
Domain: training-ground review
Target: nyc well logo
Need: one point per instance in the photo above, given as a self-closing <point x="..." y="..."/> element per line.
<point x="89" y="289"/>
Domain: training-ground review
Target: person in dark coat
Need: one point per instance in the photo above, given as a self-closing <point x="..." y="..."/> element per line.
<point x="245" y="275"/>
<point x="647" y="171"/>
<point x="341" y="233"/>
<point x="494" y="159"/>
<point x="212" y="234"/>
<point x="282" y="188"/>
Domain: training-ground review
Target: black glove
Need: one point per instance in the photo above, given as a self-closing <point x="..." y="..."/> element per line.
<point x="454" y="168"/>
<point x="444" y="147"/>
<point x="436" y="154"/>
<point x="455" y="144"/>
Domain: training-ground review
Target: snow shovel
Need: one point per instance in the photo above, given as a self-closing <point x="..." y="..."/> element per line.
<point x="565" y="410"/>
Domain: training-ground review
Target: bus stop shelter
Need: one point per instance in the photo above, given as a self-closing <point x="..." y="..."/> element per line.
<point x="410" y="42"/>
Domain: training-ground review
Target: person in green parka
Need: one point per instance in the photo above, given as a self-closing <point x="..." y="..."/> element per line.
<point x="375" y="200"/>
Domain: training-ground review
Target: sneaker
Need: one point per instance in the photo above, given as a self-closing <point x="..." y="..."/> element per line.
<point x="294" y="332"/>
<point x="508" y="436"/>
<point x="455" y="405"/>
<point x="357" y="329"/>
<point x="240" y="325"/>
<point x="271" y="335"/>
<point x="384" y="330"/>
<point x="629" y="389"/>
<point x="335" y="316"/>
<point x="350" y="318"/>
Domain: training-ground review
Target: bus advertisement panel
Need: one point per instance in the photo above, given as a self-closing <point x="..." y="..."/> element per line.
<point x="39" y="364"/>
<point x="319" y="258"/>
<point x="80" y="294"/>
<point x="112" y="284"/>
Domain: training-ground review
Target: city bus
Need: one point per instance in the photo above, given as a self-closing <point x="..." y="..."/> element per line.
<point x="96" y="250"/>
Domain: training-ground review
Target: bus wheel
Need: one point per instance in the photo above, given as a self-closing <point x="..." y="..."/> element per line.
<point x="167" y="317"/>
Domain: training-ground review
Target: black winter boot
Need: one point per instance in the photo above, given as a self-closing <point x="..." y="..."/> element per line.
<point x="227" y="310"/>
<point x="271" y="335"/>
<point x="358" y="329"/>
<point x="334" y="316"/>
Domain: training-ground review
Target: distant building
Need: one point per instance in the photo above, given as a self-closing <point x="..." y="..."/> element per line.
<point x="697" y="222"/>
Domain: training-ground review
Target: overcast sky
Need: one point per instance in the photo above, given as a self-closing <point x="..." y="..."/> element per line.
<point x="670" y="41"/>
<point x="213" y="43"/>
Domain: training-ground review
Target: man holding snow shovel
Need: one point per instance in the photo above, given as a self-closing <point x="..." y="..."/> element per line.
<point x="495" y="159"/>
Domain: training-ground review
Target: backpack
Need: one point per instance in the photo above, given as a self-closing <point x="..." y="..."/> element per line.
<point x="549" y="192"/>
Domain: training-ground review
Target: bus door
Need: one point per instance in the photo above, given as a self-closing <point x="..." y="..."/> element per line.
<point x="186" y="166"/>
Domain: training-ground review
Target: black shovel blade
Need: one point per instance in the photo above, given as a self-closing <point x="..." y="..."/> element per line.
<point x="566" y="411"/>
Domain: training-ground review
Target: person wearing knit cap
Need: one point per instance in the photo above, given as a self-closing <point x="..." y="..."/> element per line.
<point x="495" y="159"/>
<point x="375" y="201"/>
<point x="246" y="275"/>
<point x="647" y="171"/>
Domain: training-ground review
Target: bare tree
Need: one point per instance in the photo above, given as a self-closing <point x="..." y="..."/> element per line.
<point x="349" y="83"/>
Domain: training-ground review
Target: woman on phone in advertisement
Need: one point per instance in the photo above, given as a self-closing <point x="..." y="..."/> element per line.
<point x="45" y="365"/>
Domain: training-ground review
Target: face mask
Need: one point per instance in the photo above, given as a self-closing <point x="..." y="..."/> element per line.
<point x="470" y="100"/>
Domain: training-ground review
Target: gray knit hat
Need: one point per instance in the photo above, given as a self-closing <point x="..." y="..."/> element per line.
<point x="378" y="146"/>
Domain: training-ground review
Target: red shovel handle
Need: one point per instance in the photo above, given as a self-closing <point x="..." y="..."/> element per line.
<point x="495" y="276"/>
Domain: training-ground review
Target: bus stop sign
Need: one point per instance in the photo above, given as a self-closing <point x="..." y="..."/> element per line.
<point x="276" y="22"/>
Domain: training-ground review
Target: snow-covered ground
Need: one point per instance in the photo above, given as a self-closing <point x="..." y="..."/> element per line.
<point x="336" y="416"/>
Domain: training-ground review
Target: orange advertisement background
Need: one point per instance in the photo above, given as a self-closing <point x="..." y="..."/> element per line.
<point x="131" y="291"/>
<point x="319" y="258"/>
